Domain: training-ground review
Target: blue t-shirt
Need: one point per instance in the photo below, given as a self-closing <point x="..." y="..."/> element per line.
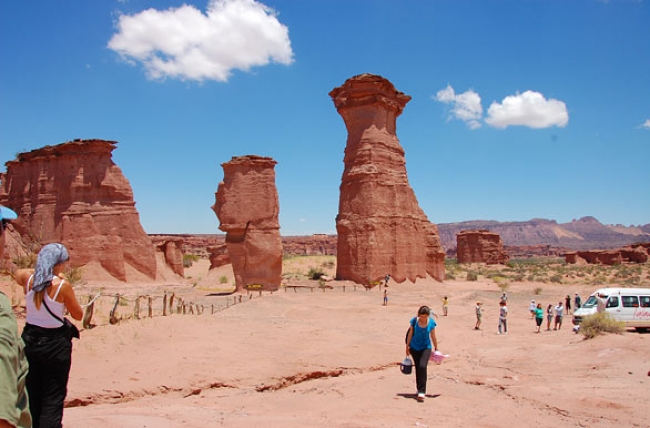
<point x="421" y="336"/>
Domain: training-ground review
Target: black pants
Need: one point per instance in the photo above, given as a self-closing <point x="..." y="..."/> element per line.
<point x="421" y="360"/>
<point x="49" y="353"/>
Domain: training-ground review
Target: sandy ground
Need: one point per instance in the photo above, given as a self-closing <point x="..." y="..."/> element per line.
<point x="330" y="359"/>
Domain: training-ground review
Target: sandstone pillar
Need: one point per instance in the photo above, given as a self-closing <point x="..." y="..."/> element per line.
<point x="247" y="207"/>
<point x="381" y="228"/>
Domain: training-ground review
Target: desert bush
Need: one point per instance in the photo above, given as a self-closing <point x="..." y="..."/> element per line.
<point x="328" y="264"/>
<point x="25" y="261"/>
<point x="223" y="279"/>
<point x="557" y="279"/>
<point x="537" y="291"/>
<point x="472" y="275"/>
<point x="315" y="273"/>
<point x="518" y="277"/>
<point x="74" y="275"/>
<point x="599" y="323"/>
<point x="189" y="259"/>
<point x="450" y="275"/>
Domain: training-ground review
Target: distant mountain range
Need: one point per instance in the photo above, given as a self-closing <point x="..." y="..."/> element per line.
<point x="536" y="236"/>
<point x="586" y="233"/>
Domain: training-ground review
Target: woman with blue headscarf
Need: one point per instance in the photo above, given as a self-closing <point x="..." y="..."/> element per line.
<point x="48" y="344"/>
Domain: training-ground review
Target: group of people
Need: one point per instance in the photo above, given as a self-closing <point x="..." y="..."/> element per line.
<point x="35" y="367"/>
<point x="554" y="314"/>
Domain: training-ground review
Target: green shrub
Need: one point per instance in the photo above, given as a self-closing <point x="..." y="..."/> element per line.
<point x="472" y="276"/>
<point x="189" y="259"/>
<point x="599" y="323"/>
<point x="223" y="279"/>
<point x="450" y="275"/>
<point x="315" y="273"/>
<point x="537" y="291"/>
<point x="557" y="279"/>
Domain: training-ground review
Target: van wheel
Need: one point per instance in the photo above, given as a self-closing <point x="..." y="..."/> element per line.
<point x="641" y="329"/>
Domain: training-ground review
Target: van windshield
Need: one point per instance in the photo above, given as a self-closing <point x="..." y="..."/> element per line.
<point x="591" y="302"/>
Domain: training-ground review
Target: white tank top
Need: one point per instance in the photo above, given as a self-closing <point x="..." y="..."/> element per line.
<point x="41" y="317"/>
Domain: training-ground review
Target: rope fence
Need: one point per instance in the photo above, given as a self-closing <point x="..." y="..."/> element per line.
<point x="124" y="307"/>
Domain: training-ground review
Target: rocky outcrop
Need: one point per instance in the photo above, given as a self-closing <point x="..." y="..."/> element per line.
<point x="172" y="250"/>
<point x="247" y="207"/>
<point x="480" y="246"/>
<point x="381" y="228"/>
<point x="636" y="253"/>
<point x="73" y="193"/>
<point x="218" y="256"/>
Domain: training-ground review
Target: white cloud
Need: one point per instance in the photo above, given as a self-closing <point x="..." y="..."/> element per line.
<point x="466" y="106"/>
<point x="646" y="124"/>
<point x="528" y="109"/>
<point x="184" y="43"/>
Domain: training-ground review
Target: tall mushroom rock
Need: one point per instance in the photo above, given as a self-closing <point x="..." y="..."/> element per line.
<point x="73" y="193"/>
<point x="381" y="228"/>
<point x="247" y="208"/>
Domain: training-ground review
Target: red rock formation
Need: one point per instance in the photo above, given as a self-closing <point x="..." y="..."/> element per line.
<point x="381" y="228"/>
<point x="172" y="249"/>
<point x="73" y="193"/>
<point x="480" y="246"/>
<point x="317" y="244"/>
<point x="247" y="207"/>
<point x="637" y="253"/>
<point x="218" y="256"/>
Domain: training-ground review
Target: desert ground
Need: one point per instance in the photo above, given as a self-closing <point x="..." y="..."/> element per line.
<point x="329" y="357"/>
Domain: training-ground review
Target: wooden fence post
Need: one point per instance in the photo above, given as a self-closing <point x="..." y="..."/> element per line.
<point x="149" y="302"/>
<point x="136" y="310"/>
<point x="165" y="305"/>
<point x="88" y="314"/>
<point x="112" y="317"/>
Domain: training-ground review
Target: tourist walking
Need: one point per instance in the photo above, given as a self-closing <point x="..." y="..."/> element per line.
<point x="567" y="304"/>
<point x="385" y="297"/>
<point x="539" y="316"/>
<point x="48" y="343"/>
<point x="559" y="314"/>
<point x="420" y="340"/>
<point x="386" y="278"/>
<point x="531" y="308"/>
<point x="549" y="316"/>
<point x="479" y="315"/>
<point x="445" y="305"/>
<point x="503" y="318"/>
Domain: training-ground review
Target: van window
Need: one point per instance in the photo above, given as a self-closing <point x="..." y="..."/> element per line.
<point x="612" y="302"/>
<point x="645" y="301"/>
<point x="630" y="301"/>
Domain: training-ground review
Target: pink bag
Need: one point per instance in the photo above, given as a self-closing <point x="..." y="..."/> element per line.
<point x="438" y="357"/>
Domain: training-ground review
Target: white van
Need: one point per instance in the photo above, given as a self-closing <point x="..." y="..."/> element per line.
<point x="629" y="305"/>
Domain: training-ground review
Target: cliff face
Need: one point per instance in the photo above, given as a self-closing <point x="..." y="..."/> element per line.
<point x="73" y="193"/>
<point x="381" y="228"/>
<point x="247" y="207"/>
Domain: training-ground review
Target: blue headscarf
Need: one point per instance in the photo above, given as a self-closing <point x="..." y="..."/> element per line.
<point x="49" y="256"/>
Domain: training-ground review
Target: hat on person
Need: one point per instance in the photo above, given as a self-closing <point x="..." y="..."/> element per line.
<point x="7" y="213"/>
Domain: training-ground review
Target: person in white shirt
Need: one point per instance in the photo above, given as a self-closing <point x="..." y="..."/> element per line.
<point x="559" y="314"/>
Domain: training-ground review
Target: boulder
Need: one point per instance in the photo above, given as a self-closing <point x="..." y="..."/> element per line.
<point x="73" y="193"/>
<point x="218" y="256"/>
<point x="381" y="228"/>
<point x="247" y="208"/>
<point x="480" y="246"/>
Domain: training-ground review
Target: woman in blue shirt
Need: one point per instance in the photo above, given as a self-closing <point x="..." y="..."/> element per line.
<point x="419" y="342"/>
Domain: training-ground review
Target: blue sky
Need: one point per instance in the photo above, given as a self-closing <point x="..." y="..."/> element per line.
<point x="519" y="110"/>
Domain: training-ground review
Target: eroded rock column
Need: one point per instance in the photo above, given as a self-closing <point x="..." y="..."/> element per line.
<point x="381" y="228"/>
<point x="247" y="207"/>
